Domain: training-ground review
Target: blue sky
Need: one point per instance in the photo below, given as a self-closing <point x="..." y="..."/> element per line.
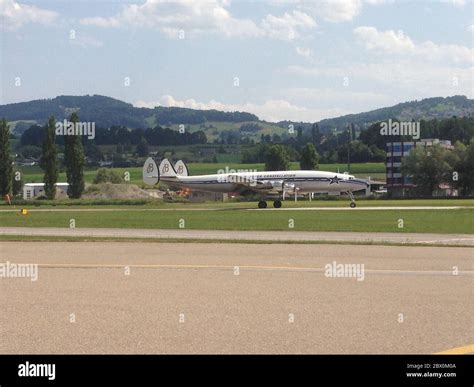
<point x="280" y="60"/>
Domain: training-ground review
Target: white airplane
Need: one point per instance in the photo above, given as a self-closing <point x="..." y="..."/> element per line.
<point x="266" y="184"/>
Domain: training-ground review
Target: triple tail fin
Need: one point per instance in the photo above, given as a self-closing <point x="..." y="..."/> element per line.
<point x="181" y="168"/>
<point x="166" y="169"/>
<point x="151" y="174"/>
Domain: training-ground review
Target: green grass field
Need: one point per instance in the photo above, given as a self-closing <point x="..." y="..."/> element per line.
<point x="424" y="221"/>
<point x="375" y="170"/>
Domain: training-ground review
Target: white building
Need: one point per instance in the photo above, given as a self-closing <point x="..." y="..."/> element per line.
<point x="34" y="190"/>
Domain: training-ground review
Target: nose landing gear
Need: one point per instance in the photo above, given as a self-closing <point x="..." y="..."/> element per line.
<point x="353" y="203"/>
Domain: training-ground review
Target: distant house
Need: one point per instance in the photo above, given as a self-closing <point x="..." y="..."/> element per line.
<point x="26" y="162"/>
<point x="376" y="187"/>
<point x="34" y="190"/>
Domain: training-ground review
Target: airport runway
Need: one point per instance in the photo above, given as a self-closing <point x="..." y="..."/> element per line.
<point x="236" y="298"/>
<point x="266" y="236"/>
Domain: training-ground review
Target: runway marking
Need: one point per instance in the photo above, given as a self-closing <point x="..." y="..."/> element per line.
<point x="175" y="266"/>
<point x="250" y="267"/>
<point x="446" y="240"/>
<point x="457" y="351"/>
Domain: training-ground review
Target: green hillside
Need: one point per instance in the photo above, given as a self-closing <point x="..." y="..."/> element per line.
<point x="107" y="112"/>
<point x="425" y="109"/>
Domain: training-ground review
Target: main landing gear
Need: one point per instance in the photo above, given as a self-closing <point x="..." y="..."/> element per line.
<point x="353" y="203"/>
<point x="263" y="204"/>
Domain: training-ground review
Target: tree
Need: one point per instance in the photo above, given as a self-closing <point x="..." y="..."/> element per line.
<point x="105" y="175"/>
<point x="427" y="167"/>
<point x="309" y="157"/>
<point x="299" y="134"/>
<point x="6" y="169"/>
<point x="142" y="148"/>
<point x="377" y="154"/>
<point x="34" y="135"/>
<point x="30" y="151"/>
<point x="93" y="152"/>
<point x="74" y="160"/>
<point x="255" y="154"/>
<point x="277" y="158"/>
<point x="49" y="159"/>
<point x="461" y="160"/>
<point x="315" y="134"/>
<point x="469" y="176"/>
<point x="17" y="184"/>
<point x="101" y="176"/>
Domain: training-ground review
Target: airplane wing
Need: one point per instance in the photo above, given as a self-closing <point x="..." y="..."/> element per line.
<point x="264" y="185"/>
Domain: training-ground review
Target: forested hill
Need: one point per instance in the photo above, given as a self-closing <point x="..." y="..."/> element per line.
<point x="107" y="112"/>
<point x="425" y="109"/>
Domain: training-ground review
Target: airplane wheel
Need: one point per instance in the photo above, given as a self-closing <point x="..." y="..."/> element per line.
<point x="353" y="205"/>
<point x="277" y="203"/>
<point x="262" y="204"/>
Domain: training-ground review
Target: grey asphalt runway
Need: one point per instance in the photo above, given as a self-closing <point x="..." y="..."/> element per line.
<point x="136" y="297"/>
<point x="266" y="236"/>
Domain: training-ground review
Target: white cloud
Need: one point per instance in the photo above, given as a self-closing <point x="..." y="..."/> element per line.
<point x="170" y="17"/>
<point x="86" y="41"/>
<point x="14" y="15"/>
<point x="338" y="10"/>
<point x="286" y="26"/>
<point x="377" y="2"/>
<point x="340" y="99"/>
<point x="200" y="17"/>
<point x="471" y="28"/>
<point x="457" y="3"/>
<point x="392" y="42"/>
<point x="403" y="80"/>
<point x="303" y="51"/>
<point x="327" y="96"/>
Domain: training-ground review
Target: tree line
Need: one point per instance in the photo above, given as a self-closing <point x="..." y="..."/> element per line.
<point x="122" y="135"/>
<point x="429" y="167"/>
<point x="367" y="145"/>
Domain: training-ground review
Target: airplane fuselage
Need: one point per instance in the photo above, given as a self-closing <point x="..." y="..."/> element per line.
<point x="272" y="182"/>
